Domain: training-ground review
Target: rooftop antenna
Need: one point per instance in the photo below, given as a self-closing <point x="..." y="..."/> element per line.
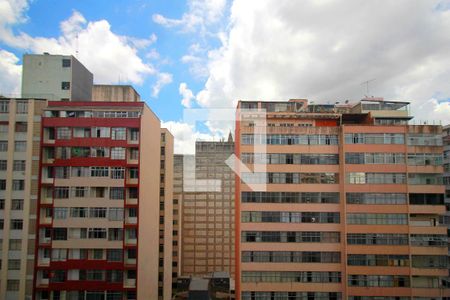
<point x="76" y="46"/>
<point x="367" y="85"/>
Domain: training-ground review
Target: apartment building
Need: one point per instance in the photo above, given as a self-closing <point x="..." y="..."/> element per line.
<point x="165" y="216"/>
<point x="56" y="78"/>
<point x="98" y="202"/>
<point x="446" y="165"/>
<point x="176" y="228"/>
<point x="347" y="205"/>
<point x="19" y="169"/>
<point x="207" y="216"/>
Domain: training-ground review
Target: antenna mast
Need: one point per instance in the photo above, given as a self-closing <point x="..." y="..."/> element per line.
<point x="367" y="85"/>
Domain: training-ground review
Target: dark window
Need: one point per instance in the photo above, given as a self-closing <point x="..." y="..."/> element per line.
<point x="65" y="85"/>
<point x="66" y="63"/>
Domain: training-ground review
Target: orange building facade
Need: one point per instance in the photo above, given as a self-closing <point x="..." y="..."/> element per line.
<point x="347" y="204"/>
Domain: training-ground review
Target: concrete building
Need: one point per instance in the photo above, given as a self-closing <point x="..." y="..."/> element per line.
<point x="177" y="206"/>
<point x="165" y="216"/>
<point x="55" y="77"/>
<point x="98" y="210"/>
<point x="20" y="131"/>
<point x="207" y="214"/>
<point x="348" y="206"/>
<point x="446" y="165"/>
<point x="115" y="93"/>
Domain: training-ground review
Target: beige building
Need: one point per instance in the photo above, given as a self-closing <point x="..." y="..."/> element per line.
<point x="165" y="216"/>
<point x="20" y="131"/>
<point x="207" y="216"/>
<point x="114" y="93"/>
<point x="347" y="205"/>
<point x="177" y="208"/>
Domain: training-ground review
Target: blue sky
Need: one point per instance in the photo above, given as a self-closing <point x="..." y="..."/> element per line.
<point x="183" y="54"/>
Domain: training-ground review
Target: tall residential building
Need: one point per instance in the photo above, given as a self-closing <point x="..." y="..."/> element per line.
<point x="446" y="165"/>
<point x="98" y="208"/>
<point x="207" y="216"/>
<point x="20" y="131"/>
<point x="347" y="205"/>
<point x="55" y="77"/>
<point x="165" y="216"/>
<point x="176" y="229"/>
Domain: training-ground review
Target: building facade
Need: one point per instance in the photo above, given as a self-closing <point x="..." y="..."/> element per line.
<point x="347" y="205"/>
<point x="207" y="216"/>
<point x="19" y="169"/>
<point x="114" y="93"/>
<point x="446" y="165"/>
<point x="56" y="77"/>
<point x="98" y="202"/>
<point x="177" y="212"/>
<point x="165" y="216"/>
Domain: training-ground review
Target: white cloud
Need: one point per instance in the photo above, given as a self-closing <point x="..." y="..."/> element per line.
<point x="201" y="13"/>
<point x="185" y="136"/>
<point x="276" y="50"/>
<point x="163" y="79"/>
<point x="187" y="94"/>
<point x="10" y="74"/>
<point x="110" y="57"/>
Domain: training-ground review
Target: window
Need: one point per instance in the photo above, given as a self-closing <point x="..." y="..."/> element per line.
<point x="2" y="184"/>
<point x="18" y="185"/>
<point x="60" y="234"/>
<point x="3" y="164"/>
<point x="4" y="106"/>
<point x="116" y="193"/>
<point x="115" y="234"/>
<point x="17" y="204"/>
<point x="117" y="153"/>
<point x="134" y="153"/>
<point x="97" y="233"/>
<point x="134" y="134"/>
<point x="20" y="146"/>
<point x="78" y="212"/>
<point x="63" y="133"/>
<point x="115" y="214"/>
<point x="100" y="132"/>
<point x="19" y="165"/>
<point x="114" y="255"/>
<point x="118" y="133"/>
<point x="21" y="107"/>
<point x="65" y="85"/>
<point x="81" y="132"/>
<point x="15" y="244"/>
<point x="97" y="212"/>
<point x="80" y="191"/>
<point x="61" y="192"/>
<point x="13" y="264"/>
<point x="99" y="171"/>
<point x="66" y="63"/>
<point x="21" y="127"/>
<point x="2" y="204"/>
<point x="3" y="146"/>
<point x="134" y="173"/>
<point x="117" y="173"/>
<point x="4" y="128"/>
<point x="60" y="212"/>
<point x="16" y="224"/>
<point x="12" y="284"/>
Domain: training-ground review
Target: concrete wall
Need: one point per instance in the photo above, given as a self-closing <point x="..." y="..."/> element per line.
<point x="148" y="235"/>
<point x="43" y="75"/>
<point x="115" y="93"/>
<point x="82" y="81"/>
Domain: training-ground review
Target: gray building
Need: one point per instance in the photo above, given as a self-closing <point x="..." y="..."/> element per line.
<point x="56" y="77"/>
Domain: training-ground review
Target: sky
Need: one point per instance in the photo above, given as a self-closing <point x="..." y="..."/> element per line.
<point x="187" y="55"/>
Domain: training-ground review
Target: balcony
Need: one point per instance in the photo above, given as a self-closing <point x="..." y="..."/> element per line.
<point x="44" y="262"/>
<point x="45" y="240"/>
<point x="129" y="283"/>
<point x="131" y="220"/>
